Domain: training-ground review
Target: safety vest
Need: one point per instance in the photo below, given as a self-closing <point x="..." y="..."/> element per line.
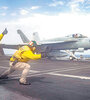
<point x="24" y="54"/>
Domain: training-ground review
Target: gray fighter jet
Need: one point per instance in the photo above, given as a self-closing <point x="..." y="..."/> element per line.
<point x="54" y="47"/>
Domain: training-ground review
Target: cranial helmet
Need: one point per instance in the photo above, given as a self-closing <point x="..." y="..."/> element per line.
<point x="32" y="44"/>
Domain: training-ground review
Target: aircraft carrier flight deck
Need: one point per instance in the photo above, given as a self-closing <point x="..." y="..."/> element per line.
<point x="50" y="80"/>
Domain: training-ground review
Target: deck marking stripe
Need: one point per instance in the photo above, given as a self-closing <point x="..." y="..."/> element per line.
<point x="66" y="75"/>
<point x="53" y="72"/>
<point x="50" y="73"/>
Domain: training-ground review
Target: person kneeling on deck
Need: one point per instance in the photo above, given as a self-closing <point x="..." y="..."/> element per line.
<point x="19" y="61"/>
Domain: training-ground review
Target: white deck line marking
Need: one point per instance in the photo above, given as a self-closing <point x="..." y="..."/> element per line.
<point x="50" y="73"/>
<point x="34" y="71"/>
<point x="71" y="69"/>
<point x="41" y="71"/>
<point x="53" y="70"/>
<point x="63" y="69"/>
<point x="3" y="67"/>
<point x="72" y="76"/>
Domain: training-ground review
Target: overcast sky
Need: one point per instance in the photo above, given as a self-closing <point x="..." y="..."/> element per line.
<point x="50" y="18"/>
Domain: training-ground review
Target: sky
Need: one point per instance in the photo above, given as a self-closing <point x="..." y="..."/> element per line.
<point x="50" y="18"/>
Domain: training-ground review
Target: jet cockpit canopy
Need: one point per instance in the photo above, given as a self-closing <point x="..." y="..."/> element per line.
<point x="77" y="35"/>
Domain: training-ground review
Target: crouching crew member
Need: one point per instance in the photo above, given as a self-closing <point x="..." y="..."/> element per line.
<point x="19" y="62"/>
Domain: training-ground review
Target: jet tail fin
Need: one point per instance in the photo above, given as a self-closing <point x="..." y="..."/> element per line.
<point x="36" y="37"/>
<point x="23" y="37"/>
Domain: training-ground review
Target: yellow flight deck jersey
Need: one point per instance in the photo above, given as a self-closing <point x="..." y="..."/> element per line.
<point x="1" y="36"/>
<point x="24" y="54"/>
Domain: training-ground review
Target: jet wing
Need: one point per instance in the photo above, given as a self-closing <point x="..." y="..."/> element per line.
<point x="55" y="45"/>
<point x="13" y="46"/>
<point x="61" y="42"/>
<point x="44" y="46"/>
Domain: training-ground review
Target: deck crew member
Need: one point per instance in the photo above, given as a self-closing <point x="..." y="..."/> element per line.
<point x="19" y="62"/>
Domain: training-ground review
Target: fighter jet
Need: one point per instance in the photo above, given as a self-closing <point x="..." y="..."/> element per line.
<point x="52" y="47"/>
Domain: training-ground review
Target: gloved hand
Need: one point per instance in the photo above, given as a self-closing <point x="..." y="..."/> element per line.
<point x="43" y="55"/>
<point x="5" y="31"/>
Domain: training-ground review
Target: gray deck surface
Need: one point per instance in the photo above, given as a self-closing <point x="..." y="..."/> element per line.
<point x="50" y="80"/>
